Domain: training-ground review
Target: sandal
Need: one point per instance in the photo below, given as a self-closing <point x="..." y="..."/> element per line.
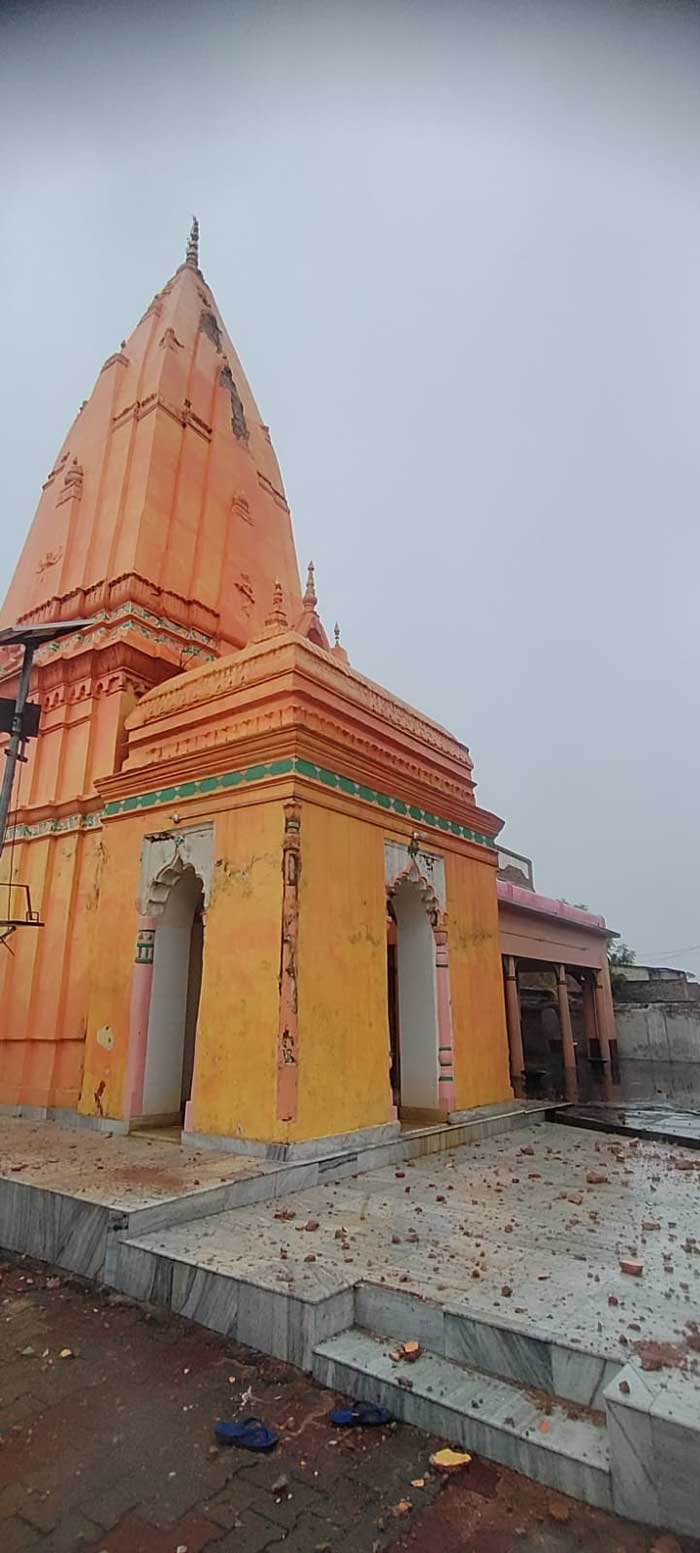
<point x="249" y="1433"/>
<point x="365" y="1413"/>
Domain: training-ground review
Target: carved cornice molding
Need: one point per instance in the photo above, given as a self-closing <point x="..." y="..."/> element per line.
<point x="301" y="660"/>
<point x="184" y="416"/>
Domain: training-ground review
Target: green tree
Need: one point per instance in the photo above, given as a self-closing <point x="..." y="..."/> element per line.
<point x="621" y="954"/>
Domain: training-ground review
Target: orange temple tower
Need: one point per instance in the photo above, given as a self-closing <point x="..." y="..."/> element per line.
<point x="222" y="823"/>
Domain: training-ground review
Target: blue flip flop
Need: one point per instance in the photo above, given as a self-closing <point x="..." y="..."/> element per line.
<point x="364" y="1414"/>
<point x="249" y="1433"/>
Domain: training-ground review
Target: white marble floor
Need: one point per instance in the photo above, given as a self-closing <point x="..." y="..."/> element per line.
<point x="515" y="1213"/>
<point x="116" y="1170"/>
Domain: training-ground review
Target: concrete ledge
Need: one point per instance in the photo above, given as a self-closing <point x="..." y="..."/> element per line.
<point x="65" y="1118"/>
<point x="654" y="1433"/>
<point x="310" y="1148"/>
<point x="66" y="1231"/>
<point x="273" y="1321"/>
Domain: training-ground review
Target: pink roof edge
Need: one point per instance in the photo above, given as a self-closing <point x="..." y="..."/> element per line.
<point x="529" y="900"/>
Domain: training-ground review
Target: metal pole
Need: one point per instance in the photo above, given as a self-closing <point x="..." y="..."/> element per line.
<point x="16" y="741"/>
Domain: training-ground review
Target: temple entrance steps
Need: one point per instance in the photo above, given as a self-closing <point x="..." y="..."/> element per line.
<point x="547" y="1440"/>
<point x="508" y="1392"/>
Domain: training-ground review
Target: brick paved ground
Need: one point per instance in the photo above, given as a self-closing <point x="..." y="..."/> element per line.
<point x="112" y="1449"/>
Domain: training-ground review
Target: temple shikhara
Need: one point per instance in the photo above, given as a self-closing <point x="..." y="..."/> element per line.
<point x="272" y="910"/>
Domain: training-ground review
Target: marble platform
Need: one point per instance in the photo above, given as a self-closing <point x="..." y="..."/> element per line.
<point x="502" y="1259"/>
<point x="490" y="1241"/>
<point x="65" y="1194"/>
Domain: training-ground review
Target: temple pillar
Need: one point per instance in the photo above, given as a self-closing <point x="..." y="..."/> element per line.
<point x="446" y="1080"/>
<point x="567" y="1037"/>
<point x="139" y="1014"/>
<point x="605" y="1019"/>
<point x="514" y="1024"/>
<point x="598" y="1051"/>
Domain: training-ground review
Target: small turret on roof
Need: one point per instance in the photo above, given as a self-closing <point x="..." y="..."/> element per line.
<point x="309" y="623"/>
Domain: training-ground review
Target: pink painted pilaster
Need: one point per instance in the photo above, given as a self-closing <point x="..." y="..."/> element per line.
<point x="567" y="1037"/>
<point x="139" y="1013"/>
<point x="447" y="1100"/>
<point x="188" y="1124"/>
<point x="288" y="1036"/>
<point x="514" y="1024"/>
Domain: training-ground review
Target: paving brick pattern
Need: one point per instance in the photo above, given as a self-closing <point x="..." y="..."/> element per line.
<point x="110" y="1450"/>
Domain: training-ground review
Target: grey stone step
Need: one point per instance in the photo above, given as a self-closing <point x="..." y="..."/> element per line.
<point x="514" y="1348"/>
<point x="474" y="1411"/>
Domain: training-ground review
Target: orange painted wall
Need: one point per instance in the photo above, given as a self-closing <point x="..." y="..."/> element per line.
<point x="116" y="925"/>
<point x="44" y="983"/>
<point x="343" y="1013"/>
<point x="476" y="980"/>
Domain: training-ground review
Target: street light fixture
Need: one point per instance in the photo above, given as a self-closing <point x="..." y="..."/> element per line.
<point x="21" y="718"/>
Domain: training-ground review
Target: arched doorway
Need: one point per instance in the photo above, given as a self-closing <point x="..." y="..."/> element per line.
<point x="174" y="1005"/>
<point x="413" y="999"/>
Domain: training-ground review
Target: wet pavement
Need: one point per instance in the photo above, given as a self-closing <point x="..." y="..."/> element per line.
<point x="106" y="1428"/>
<point x="656" y="1121"/>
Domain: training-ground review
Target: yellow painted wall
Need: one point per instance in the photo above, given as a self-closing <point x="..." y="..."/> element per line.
<point x="235" y="1059"/>
<point x="482" y="1074"/>
<point x="343" y="1016"/>
<point x="234" y="1076"/>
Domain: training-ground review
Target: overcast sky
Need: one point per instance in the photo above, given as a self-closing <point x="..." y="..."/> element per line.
<point x="458" y="248"/>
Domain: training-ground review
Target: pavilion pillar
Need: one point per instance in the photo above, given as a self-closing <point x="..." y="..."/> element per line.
<point x="605" y="1019"/>
<point x="139" y="1014"/>
<point x="514" y="1024"/>
<point x="598" y="1049"/>
<point x="567" y="1037"/>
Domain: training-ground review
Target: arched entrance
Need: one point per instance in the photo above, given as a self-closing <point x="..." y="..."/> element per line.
<point x="174" y="1004"/>
<point x="415" y="1067"/>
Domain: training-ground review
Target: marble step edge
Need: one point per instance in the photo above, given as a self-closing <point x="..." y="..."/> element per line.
<point x="507" y="1347"/>
<point x="437" y="1396"/>
<point x="299" y="1175"/>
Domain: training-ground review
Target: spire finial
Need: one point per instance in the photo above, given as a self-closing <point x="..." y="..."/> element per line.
<point x="277" y="618"/>
<point x="338" y="652"/>
<point x="192" y="255"/>
<point x="310" y="599"/>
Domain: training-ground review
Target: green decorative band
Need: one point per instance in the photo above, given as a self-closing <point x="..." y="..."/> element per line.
<point x="388" y="804"/>
<point x="218" y="784"/>
<point x="145" y="945"/>
<point x="59" y="827"/>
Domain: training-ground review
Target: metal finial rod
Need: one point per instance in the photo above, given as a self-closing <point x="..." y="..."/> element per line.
<point x="310" y="599"/>
<point x="192" y="255"/>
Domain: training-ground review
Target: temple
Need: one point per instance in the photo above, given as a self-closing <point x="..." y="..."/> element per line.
<point x="269" y="897"/>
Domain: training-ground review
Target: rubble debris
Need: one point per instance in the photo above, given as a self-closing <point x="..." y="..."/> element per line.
<point x="559" y="1511"/>
<point x="448" y="1460"/>
<point x="633" y="1268"/>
